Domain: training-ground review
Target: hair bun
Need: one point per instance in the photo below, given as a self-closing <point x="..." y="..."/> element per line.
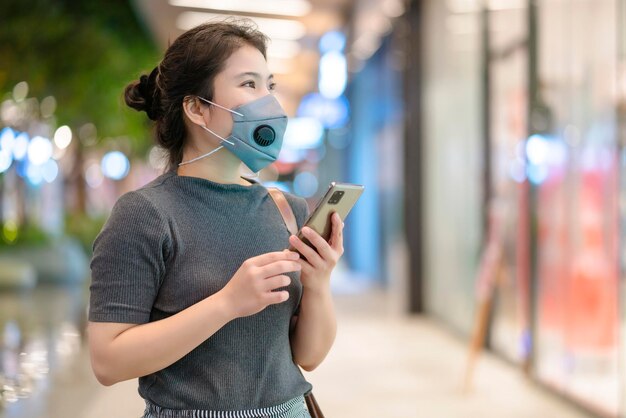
<point x="142" y="95"/>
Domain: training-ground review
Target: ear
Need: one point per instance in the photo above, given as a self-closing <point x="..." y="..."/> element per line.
<point x="195" y="110"/>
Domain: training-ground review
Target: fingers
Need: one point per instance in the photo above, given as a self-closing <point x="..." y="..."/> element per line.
<point x="323" y="248"/>
<point x="276" y="282"/>
<point x="307" y="252"/>
<point x="336" y="240"/>
<point x="278" y="267"/>
<point x="271" y="295"/>
<point x="272" y="298"/>
<point x="269" y="258"/>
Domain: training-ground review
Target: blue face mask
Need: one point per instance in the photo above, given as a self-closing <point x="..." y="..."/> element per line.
<point x="257" y="136"/>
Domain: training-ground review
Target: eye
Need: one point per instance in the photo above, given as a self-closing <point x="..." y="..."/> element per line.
<point x="249" y="84"/>
<point x="272" y="86"/>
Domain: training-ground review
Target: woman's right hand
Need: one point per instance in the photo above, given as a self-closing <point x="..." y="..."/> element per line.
<point x="251" y="288"/>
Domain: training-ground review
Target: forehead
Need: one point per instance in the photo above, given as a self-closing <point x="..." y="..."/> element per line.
<point x="246" y="59"/>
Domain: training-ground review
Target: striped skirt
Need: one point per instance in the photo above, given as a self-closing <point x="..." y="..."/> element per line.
<point x="295" y="408"/>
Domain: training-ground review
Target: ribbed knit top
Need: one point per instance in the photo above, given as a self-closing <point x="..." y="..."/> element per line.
<point x="173" y="243"/>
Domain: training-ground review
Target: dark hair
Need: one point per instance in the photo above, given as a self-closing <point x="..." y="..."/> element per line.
<point x="188" y="68"/>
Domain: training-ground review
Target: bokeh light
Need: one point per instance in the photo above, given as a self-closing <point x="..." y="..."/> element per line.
<point x="6" y="159"/>
<point x="305" y="184"/>
<point x="48" y="106"/>
<point x="20" y="147"/>
<point x="93" y="175"/>
<point x="332" y="41"/>
<point x="305" y="132"/>
<point x="39" y="150"/>
<point x="20" y="91"/>
<point x="115" y="165"/>
<point x="34" y="174"/>
<point x="50" y="171"/>
<point x="333" y="76"/>
<point x="7" y="139"/>
<point x="537" y="149"/>
<point x="63" y="137"/>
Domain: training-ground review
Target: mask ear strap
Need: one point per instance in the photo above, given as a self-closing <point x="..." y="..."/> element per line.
<point x="202" y="156"/>
<point x="211" y="152"/>
<point x="223" y="139"/>
<point x="221" y="107"/>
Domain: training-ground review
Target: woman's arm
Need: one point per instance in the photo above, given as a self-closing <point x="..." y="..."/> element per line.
<point x="314" y="331"/>
<point x="316" y="325"/>
<point x="124" y="351"/>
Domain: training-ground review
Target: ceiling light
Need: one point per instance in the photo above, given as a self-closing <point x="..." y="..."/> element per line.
<point x="274" y="28"/>
<point x="275" y="7"/>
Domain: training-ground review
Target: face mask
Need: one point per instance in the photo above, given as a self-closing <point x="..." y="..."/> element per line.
<point x="257" y="136"/>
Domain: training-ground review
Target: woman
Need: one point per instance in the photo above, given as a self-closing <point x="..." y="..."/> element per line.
<point x="193" y="290"/>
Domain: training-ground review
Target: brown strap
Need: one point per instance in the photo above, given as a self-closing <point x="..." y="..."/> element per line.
<point x="285" y="210"/>
<point x="313" y="406"/>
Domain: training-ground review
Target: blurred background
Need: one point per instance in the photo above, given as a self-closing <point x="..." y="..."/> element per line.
<point x="483" y="273"/>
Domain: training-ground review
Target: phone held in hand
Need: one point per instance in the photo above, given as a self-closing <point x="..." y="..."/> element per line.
<point x="339" y="198"/>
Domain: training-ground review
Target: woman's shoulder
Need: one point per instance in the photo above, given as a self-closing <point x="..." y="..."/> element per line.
<point x="143" y="202"/>
<point x="299" y="206"/>
<point x="145" y="197"/>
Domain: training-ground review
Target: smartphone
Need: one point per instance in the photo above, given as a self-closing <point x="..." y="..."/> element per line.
<point x="339" y="198"/>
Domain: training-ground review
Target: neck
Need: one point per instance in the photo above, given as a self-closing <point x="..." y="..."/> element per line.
<point x="220" y="167"/>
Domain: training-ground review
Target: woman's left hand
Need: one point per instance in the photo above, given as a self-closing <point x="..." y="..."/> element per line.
<point x="316" y="269"/>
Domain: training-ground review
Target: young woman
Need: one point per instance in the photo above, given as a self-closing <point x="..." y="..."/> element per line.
<point x="193" y="290"/>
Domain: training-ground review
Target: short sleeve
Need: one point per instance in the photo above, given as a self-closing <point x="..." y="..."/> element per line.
<point x="128" y="262"/>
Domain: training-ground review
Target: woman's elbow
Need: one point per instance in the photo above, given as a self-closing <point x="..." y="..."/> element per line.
<point x="309" y="367"/>
<point x="102" y="373"/>
<point x="309" y="364"/>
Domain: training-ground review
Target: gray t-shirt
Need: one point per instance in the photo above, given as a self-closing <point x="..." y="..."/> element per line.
<point x="173" y="243"/>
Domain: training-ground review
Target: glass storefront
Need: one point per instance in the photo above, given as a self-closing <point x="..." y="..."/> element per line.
<point x="577" y="349"/>
<point x="452" y="135"/>
<point x="547" y="92"/>
<point x="508" y="103"/>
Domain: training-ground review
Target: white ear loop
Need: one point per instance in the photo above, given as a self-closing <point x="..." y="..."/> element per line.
<point x="221" y="107"/>
<point x="210" y="131"/>
<point x="210" y="152"/>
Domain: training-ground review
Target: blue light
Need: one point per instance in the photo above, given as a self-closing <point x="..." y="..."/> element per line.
<point x="7" y="139"/>
<point x="20" y="146"/>
<point x="332" y="113"/>
<point x="34" y="175"/>
<point x="517" y="171"/>
<point x="115" y="165"/>
<point x="304" y="133"/>
<point x="39" y="150"/>
<point x="50" y="171"/>
<point x="537" y="149"/>
<point x="305" y="184"/>
<point x="332" y="41"/>
<point x="6" y="159"/>
<point x="291" y="155"/>
<point x="333" y="76"/>
<point x="537" y="174"/>
<point x="281" y="185"/>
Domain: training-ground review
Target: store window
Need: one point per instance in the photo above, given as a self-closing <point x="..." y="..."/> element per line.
<point x="575" y="168"/>
<point x="507" y="71"/>
<point x="452" y="142"/>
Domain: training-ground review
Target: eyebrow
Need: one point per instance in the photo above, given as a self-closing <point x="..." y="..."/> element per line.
<point x="253" y="74"/>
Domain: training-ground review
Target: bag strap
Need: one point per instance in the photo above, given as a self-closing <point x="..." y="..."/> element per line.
<point x="285" y="209"/>
<point x="311" y="404"/>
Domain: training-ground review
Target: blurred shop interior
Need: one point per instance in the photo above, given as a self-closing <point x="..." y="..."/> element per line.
<point x="473" y="124"/>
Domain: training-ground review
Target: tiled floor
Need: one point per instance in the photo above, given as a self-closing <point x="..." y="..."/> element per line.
<point x="382" y="365"/>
